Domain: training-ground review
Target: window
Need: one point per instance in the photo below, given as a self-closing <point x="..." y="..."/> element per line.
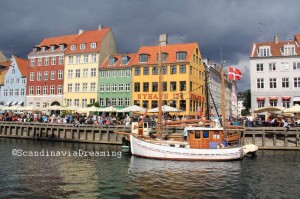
<point x="93" y="45"/>
<point x="45" y="90"/>
<point x="77" y="59"/>
<point x="101" y="88"/>
<point x="108" y="73"/>
<point x="180" y="56"/>
<point x="61" y="60"/>
<point x="146" y="87"/>
<point x="77" y="87"/>
<point x="112" y="61"/>
<point x="92" y="100"/>
<point x="173" y="86"/>
<point x="259" y="67"/>
<point x="107" y="87"/>
<point x="93" y="72"/>
<point x="40" y="61"/>
<point x="39" y="76"/>
<point x="164" y="70"/>
<point x="164" y="56"/>
<point x="32" y="62"/>
<point x="296" y="65"/>
<point x="121" y="87"/>
<point x="43" y="48"/>
<point x="146" y="71"/>
<point x="143" y="57"/>
<point x="124" y="60"/>
<point x="5" y="92"/>
<point x="127" y="87"/>
<point x="154" y="103"/>
<point x="145" y="103"/>
<point x="82" y="46"/>
<point x="137" y="71"/>
<point x="286" y="103"/>
<point x="120" y="102"/>
<point x="285" y="82"/>
<point x="22" y="91"/>
<point x="264" y="51"/>
<point x="31" y="90"/>
<point x="260" y="103"/>
<point x="272" y="66"/>
<point x="114" y="87"/>
<point x="53" y="61"/>
<point x="94" y="58"/>
<point x="260" y="83"/>
<point x="197" y="134"/>
<point x="272" y="83"/>
<point x="70" y="59"/>
<point x="182" y="105"/>
<point x="155" y="70"/>
<point x="173" y="69"/>
<point x="154" y="86"/>
<point x="93" y="87"/>
<point x="62" y="47"/>
<point x="52" y="48"/>
<point x="84" y="87"/>
<point x="114" y="73"/>
<point x="127" y="102"/>
<point x="297" y="82"/>
<point x="31" y="76"/>
<point x="73" y="47"/>
<point x="46" y="75"/>
<point x="59" y="89"/>
<point x="11" y="92"/>
<point x="70" y="73"/>
<point x="85" y="72"/>
<point x="182" y="69"/>
<point x="17" y="92"/>
<point x="101" y="102"/>
<point x="136" y="87"/>
<point x="60" y="74"/>
<point x="86" y="59"/>
<point x="102" y="74"/>
<point x="77" y="74"/>
<point x="38" y="90"/>
<point x="289" y="50"/>
<point x="205" y="134"/>
<point x="52" y="75"/>
<point x="46" y="61"/>
<point x="52" y="90"/>
<point x="273" y="102"/>
<point x="76" y="102"/>
<point x="182" y="85"/>
<point x="69" y="87"/>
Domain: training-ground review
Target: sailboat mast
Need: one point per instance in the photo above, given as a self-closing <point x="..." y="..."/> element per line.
<point x="223" y="98"/>
<point x="159" y="125"/>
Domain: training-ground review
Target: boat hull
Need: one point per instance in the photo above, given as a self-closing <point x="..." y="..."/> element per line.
<point x="146" y="149"/>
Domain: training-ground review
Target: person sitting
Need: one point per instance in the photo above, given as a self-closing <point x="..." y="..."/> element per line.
<point x="286" y="125"/>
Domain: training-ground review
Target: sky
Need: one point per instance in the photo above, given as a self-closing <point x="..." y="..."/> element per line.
<point x="221" y="27"/>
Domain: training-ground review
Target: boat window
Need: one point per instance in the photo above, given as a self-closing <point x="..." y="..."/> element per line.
<point x="197" y="134"/>
<point x="216" y="135"/>
<point x="205" y="134"/>
<point x="172" y="145"/>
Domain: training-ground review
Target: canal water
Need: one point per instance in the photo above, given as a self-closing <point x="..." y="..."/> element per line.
<point x="48" y="169"/>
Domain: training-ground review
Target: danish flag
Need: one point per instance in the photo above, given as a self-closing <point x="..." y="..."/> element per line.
<point x="234" y="74"/>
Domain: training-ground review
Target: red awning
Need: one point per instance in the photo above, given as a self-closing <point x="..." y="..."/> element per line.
<point x="260" y="98"/>
<point x="286" y="97"/>
<point x="273" y="98"/>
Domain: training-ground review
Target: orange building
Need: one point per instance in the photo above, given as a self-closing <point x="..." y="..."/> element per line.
<point x="183" y="77"/>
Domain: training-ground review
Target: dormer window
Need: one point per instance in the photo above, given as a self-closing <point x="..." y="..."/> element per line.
<point x="52" y="48"/>
<point x="143" y="58"/>
<point x="163" y="57"/>
<point x="82" y="46"/>
<point x="180" y="56"/>
<point x="35" y="49"/>
<point x="93" y="45"/>
<point x="73" y="47"/>
<point x="289" y="50"/>
<point x="43" y="48"/>
<point x="62" y="47"/>
<point x="112" y="61"/>
<point x="264" y="51"/>
<point x="125" y="60"/>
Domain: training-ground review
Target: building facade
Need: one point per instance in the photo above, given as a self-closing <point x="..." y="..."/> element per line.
<point x="115" y="77"/>
<point x="275" y="73"/>
<point x="183" y="77"/>
<point x="13" y="90"/>
<point x="46" y="71"/>
<point x="86" y="53"/>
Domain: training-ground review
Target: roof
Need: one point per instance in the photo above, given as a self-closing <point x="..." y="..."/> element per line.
<point x="170" y="49"/>
<point x="5" y="64"/>
<point x="119" y="61"/>
<point x="2" y="57"/>
<point x="276" y="48"/>
<point x="22" y="65"/>
<point x="88" y="37"/>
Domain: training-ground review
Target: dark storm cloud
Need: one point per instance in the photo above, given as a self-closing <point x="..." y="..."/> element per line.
<point x="217" y="25"/>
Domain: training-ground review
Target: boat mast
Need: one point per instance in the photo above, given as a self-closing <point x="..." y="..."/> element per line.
<point x="223" y="98"/>
<point x="159" y="124"/>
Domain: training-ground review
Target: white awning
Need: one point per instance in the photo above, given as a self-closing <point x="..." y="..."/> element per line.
<point x="20" y="102"/>
<point x="7" y="103"/>
<point x="296" y="99"/>
<point x="14" y="103"/>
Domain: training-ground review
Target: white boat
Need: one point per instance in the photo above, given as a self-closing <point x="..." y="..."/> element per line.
<point x="203" y="143"/>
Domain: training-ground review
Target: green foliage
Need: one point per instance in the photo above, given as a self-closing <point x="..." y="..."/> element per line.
<point x="94" y="104"/>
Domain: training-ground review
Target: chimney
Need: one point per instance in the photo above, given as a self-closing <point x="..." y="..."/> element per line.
<point x="100" y="27"/>
<point x="276" y="39"/>
<point x="80" y="32"/>
<point x="163" y="39"/>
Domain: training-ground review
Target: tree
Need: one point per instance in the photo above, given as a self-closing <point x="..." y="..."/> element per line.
<point x="246" y="96"/>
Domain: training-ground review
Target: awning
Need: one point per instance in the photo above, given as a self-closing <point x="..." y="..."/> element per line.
<point x="7" y="103"/>
<point x="286" y="97"/>
<point x="273" y="98"/>
<point x="296" y="99"/>
<point x="14" y="103"/>
<point x="20" y="102"/>
<point x="260" y="98"/>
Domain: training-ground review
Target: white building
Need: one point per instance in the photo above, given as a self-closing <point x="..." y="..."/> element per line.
<point x="275" y="73"/>
<point x="240" y="108"/>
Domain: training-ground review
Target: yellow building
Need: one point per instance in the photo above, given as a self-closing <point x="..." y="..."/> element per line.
<point x="183" y="77"/>
<point x="83" y="58"/>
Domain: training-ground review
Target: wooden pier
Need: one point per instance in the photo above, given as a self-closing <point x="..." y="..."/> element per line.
<point x="266" y="138"/>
